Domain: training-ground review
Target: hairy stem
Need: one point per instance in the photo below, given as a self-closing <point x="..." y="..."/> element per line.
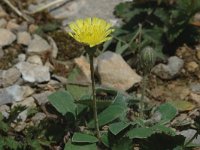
<point x="143" y="96"/>
<point x="94" y="97"/>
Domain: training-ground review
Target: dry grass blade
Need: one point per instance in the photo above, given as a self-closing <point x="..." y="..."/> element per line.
<point x="17" y="11"/>
<point x="45" y="6"/>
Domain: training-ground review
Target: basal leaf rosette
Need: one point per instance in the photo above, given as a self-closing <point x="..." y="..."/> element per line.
<point x="91" y="31"/>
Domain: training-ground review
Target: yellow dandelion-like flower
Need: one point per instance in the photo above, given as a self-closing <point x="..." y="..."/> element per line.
<point x="91" y="31"/>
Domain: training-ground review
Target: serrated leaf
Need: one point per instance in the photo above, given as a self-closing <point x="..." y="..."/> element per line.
<point x="112" y="112"/>
<point x="117" y="127"/>
<point x="83" y="138"/>
<point x="181" y="105"/>
<point x="145" y="132"/>
<point x="70" y="146"/>
<point x="63" y="102"/>
<point x="167" y="111"/>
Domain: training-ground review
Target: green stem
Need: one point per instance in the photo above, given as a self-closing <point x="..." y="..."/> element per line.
<point x="94" y="97"/>
<point x="143" y="96"/>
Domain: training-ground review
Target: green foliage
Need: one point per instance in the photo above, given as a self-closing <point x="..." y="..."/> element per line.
<point x="159" y="25"/>
<point x="83" y="138"/>
<point x="70" y="146"/>
<point x="63" y="102"/>
<point x="31" y="137"/>
<point x="167" y="112"/>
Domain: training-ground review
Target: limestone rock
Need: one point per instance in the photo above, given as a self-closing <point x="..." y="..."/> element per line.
<point x="23" y="38"/>
<point x="115" y="72"/>
<point x="28" y="102"/>
<point x="41" y="98"/>
<point x="6" y="37"/>
<point x="17" y="92"/>
<point x="38" y="45"/>
<point x="34" y="59"/>
<point x="33" y="72"/>
<point x="170" y="70"/>
<point x="9" y="77"/>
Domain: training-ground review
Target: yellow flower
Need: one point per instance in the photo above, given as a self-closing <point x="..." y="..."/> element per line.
<point x="91" y="31"/>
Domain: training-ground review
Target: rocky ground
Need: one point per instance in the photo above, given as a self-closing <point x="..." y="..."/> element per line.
<point x="34" y="65"/>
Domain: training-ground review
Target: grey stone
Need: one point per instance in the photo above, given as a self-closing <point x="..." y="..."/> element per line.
<point x="28" y="102"/>
<point x="17" y="92"/>
<point x="9" y="77"/>
<point x="6" y="37"/>
<point x="21" y="57"/>
<point x="195" y="87"/>
<point x="169" y="71"/>
<point x="38" y="45"/>
<point x="23" y="38"/>
<point x="35" y="59"/>
<point x="189" y="134"/>
<point x="38" y="117"/>
<point x="34" y="72"/>
<point x="41" y="98"/>
<point x="115" y="72"/>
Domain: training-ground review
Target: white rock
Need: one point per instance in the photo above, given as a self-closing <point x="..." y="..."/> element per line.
<point x="189" y="133"/>
<point x="5" y="97"/>
<point x="38" y="117"/>
<point x="6" y="37"/>
<point x="115" y="72"/>
<point x="169" y="71"/>
<point x="22" y="115"/>
<point x="41" y="98"/>
<point x="28" y="102"/>
<point x="38" y="45"/>
<point x="16" y="92"/>
<point x="23" y="38"/>
<point x="9" y="77"/>
<point x="35" y="59"/>
<point x="21" y="57"/>
<point x="33" y="72"/>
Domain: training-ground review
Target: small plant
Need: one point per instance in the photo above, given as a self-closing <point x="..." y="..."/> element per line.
<point x="158" y="24"/>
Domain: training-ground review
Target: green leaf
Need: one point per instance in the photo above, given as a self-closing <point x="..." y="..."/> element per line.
<point x="105" y="139"/>
<point x="70" y="146"/>
<point x="114" y="111"/>
<point x="117" y="127"/>
<point x="182" y="105"/>
<point x="123" y="144"/>
<point x="11" y="143"/>
<point x="143" y="132"/>
<point x="84" y="138"/>
<point x="167" y="111"/>
<point x="121" y="48"/>
<point x="77" y="87"/>
<point x="63" y="102"/>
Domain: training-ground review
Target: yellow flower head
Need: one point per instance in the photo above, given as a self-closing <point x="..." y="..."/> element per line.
<point x="91" y="31"/>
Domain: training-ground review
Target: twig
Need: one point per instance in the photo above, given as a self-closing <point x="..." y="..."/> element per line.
<point x="17" y="11"/>
<point x="45" y="6"/>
